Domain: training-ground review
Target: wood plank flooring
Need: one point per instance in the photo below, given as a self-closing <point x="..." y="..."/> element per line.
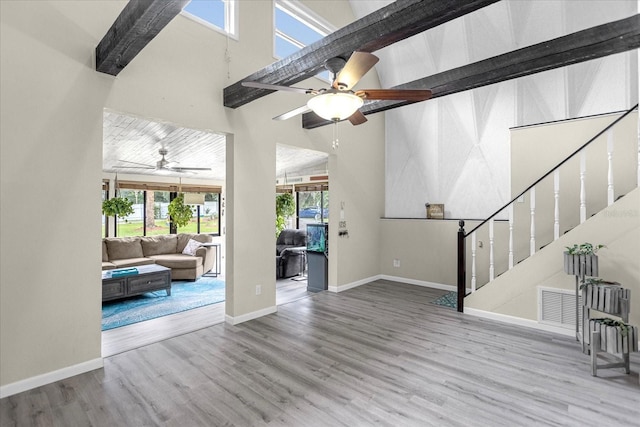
<point x="379" y="354"/>
<point x="118" y="340"/>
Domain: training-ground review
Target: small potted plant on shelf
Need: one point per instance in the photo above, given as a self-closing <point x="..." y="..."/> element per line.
<point x="582" y="259"/>
<point x="180" y="213"/>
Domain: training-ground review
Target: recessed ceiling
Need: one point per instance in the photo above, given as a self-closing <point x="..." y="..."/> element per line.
<point x="294" y="161"/>
<point x="128" y="140"/>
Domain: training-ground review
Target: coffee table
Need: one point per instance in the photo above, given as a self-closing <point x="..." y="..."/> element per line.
<point x="150" y="278"/>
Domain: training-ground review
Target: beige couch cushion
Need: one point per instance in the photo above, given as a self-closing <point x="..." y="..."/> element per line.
<point x="158" y="245"/>
<point x="124" y="248"/>
<point x="177" y="260"/>
<point x="106" y="265"/>
<point x="183" y="239"/>
<point x="131" y="262"/>
<point x="105" y="254"/>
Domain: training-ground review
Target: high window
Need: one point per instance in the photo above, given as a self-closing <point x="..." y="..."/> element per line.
<point x="296" y="27"/>
<point x="219" y="14"/>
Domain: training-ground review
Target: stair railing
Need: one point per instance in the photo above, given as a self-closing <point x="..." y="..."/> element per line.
<point x="531" y="190"/>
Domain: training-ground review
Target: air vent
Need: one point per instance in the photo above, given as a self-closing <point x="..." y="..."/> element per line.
<point x="557" y="307"/>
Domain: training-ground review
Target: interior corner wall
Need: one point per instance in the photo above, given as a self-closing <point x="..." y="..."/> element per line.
<point x="51" y="143"/>
<point x="557" y="141"/>
<point x="455" y="149"/>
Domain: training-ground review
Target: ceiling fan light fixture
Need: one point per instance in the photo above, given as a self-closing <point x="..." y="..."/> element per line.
<point x="335" y="105"/>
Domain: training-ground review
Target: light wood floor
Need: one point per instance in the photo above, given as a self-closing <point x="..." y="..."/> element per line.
<point x="379" y="354"/>
<point x="118" y="340"/>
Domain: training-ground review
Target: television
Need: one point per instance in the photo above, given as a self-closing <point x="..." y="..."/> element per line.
<point x="317" y="235"/>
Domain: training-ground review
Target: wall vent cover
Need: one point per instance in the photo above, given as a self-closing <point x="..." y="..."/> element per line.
<point x="558" y="307"/>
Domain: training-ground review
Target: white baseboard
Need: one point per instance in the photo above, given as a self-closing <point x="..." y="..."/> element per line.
<point x="392" y="279"/>
<point x="519" y="321"/>
<point x="419" y="282"/>
<point x="352" y="285"/>
<point x="50" y="377"/>
<point x="250" y="316"/>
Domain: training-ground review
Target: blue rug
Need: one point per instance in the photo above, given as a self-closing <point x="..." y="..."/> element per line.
<point x="450" y="299"/>
<point x="184" y="296"/>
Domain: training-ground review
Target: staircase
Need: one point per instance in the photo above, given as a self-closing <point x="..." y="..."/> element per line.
<point x="525" y="245"/>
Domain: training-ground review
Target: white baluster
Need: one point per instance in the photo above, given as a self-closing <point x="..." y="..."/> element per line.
<point x="610" y="192"/>
<point x="473" y="262"/>
<point x="532" y="207"/>
<point x="491" y="266"/>
<point x="556" y="198"/>
<point x="583" y="190"/>
<point x="639" y="134"/>
<point x="510" y="236"/>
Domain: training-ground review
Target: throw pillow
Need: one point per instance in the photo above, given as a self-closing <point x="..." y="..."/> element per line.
<point x="191" y="247"/>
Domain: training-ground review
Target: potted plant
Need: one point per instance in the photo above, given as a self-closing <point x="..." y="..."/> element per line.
<point x="117" y="207"/>
<point x="285" y="207"/>
<point x="582" y="259"/>
<point x="180" y="213"/>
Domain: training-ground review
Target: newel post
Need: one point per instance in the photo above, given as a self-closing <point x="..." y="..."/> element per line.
<point x="461" y="267"/>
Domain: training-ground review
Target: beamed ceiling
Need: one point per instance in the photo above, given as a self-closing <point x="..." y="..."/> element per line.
<point x="140" y="21"/>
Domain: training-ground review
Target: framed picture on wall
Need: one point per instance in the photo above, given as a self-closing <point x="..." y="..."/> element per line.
<point x="435" y="211"/>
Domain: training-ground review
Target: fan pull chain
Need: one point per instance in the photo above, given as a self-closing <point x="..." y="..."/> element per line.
<point x="335" y="142"/>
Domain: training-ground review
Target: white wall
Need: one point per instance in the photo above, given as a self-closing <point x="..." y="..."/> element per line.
<point x="455" y="150"/>
<point x="51" y="110"/>
<point x="618" y="227"/>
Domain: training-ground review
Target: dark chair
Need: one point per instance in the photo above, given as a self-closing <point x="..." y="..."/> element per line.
<point x="290" y="262"/>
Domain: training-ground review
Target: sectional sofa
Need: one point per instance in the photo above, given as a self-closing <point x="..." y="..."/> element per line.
<point x="181" y="253"/>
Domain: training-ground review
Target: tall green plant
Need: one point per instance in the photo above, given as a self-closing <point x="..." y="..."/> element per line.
<point x="180" y="213"/>
<point x="285" y="207"/>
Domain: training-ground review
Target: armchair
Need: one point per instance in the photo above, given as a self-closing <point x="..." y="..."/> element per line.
<point x="290" y="262"/>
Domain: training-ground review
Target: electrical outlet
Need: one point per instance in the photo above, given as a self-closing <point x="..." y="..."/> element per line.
<point x="258" y="289"/>
<point x="396" y="263"/>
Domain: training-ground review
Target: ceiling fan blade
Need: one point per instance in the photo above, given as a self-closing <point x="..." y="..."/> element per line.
<point x="259" y="85"/>
<point x="356" y="67"/>
<point x="134" y="167"/>
<point x="289" y="114"/>
<point x="136" y="163"/>
<point x="178" y="169"/>
<point x="395" y="94"/>
<point x="357" y="118"/>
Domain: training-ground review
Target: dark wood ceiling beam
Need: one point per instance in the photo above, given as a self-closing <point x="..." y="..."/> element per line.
<point x="138" y="23"/>
<point x="603" y="40"/>
<point x="392" y="23"/>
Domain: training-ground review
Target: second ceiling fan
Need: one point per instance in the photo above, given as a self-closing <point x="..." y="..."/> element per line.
<point x="162" y="165"/>
<point x="340" y="101"/>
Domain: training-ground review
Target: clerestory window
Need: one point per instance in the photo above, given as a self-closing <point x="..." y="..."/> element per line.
<point x="295" y="27"/>
<point x="219" y="14"/>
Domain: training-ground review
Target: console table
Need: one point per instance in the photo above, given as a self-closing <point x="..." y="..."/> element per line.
<point x="150" y="278"/>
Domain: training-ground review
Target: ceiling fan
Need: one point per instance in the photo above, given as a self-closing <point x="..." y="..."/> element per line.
<point x="340" y="102"/>
<point x="162" y="165"/>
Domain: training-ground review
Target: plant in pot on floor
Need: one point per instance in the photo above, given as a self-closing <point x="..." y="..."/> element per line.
<point x="180" y="213"/>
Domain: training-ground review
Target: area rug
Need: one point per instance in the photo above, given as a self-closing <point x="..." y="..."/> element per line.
<point x="184" y="296"/>
<point x="450" y="299"/>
